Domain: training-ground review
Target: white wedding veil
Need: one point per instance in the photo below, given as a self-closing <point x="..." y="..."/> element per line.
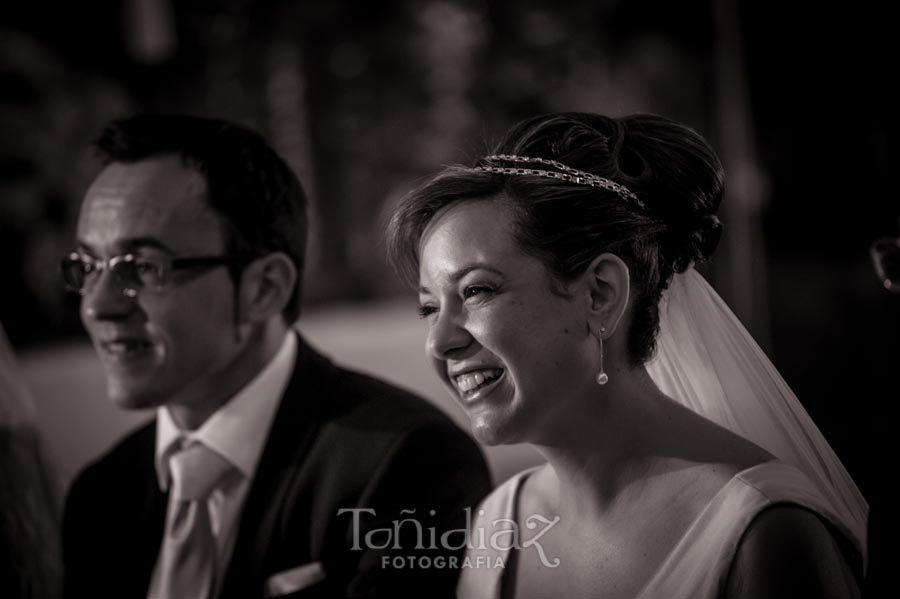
<point x="707" y="361"/>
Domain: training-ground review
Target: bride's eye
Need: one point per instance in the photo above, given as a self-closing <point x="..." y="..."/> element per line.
<point x="426" y="311"/>
<point x="475" y="290"/>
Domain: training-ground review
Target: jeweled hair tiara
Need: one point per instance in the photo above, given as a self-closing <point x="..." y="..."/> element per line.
<point x="562" y="172"/>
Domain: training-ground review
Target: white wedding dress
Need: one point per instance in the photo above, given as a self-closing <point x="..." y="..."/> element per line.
<point x="707" y="361"/>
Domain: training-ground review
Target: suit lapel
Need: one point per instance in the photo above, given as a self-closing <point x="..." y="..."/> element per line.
<point x="139" y="547"/>
<point x="152" y="530"/>
<point x="293" y="430"/>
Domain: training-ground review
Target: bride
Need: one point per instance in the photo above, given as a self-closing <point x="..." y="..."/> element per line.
<point x="556" y="276"/>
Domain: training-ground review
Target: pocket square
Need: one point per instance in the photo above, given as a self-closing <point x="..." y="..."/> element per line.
<point x="291" y="581"/>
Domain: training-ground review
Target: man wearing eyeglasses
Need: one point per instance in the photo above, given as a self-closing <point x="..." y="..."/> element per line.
<point x="882" y="525"/>
<point x="885" y="253"/>
<point x="266" y="463"/>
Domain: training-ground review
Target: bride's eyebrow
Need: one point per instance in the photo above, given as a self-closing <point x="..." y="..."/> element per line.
<point x="474" y="266"/>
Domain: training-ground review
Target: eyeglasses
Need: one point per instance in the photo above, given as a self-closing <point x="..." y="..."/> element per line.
<point x="132" y="271"/>
<point x="885" y="254"/>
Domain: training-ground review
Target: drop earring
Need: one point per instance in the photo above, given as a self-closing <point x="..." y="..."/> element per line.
<point x="602" y="377"/>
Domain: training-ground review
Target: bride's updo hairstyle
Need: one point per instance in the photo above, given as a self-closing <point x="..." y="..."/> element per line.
<point x="642" y="187"/>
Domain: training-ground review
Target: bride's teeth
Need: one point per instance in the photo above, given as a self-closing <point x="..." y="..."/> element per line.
<point x="471" y="381"/>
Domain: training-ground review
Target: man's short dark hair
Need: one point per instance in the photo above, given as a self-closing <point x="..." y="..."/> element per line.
<point x="258" y="197"/>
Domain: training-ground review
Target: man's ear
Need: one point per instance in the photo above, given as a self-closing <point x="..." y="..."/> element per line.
<point x="609" y="287"/>
<point x="267" y="284"/>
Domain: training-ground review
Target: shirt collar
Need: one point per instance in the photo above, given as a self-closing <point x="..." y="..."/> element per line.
<point x="237" y="430"/>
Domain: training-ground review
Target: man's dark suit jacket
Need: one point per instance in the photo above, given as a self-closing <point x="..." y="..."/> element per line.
<point x="340" y="440"/>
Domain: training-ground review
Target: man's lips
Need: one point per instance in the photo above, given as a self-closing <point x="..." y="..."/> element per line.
<point x="122" y="348"/>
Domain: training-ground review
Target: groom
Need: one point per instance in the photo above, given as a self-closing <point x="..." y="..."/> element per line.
<point x="265" y="460"/>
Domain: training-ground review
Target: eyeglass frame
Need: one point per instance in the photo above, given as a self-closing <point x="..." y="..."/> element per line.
<point x="878" y="251"/>
<point x="130" y="291"/>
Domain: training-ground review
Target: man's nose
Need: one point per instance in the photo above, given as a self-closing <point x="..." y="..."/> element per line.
<point x="107" y="298"/>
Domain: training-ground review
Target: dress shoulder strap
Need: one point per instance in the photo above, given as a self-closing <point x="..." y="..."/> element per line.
<point x="699" y="564"/>
<point x="486" y="557"/>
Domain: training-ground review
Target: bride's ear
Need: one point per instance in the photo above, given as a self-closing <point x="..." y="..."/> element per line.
<point x="609" y="286"/>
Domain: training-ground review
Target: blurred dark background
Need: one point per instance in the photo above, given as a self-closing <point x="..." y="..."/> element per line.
<point x="364" y="98"/>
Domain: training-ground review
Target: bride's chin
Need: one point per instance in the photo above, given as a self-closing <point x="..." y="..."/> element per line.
<point x="489" y="432"/>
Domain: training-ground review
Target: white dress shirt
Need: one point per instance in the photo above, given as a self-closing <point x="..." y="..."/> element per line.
<point x="238" y="432"/>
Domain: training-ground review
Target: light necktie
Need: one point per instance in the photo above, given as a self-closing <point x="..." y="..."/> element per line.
<point x="188" y="566"/>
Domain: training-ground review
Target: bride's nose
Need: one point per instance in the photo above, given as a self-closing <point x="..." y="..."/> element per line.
<point x="447" y="336"/>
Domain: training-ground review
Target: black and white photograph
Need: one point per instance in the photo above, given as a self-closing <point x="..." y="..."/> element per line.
<point x="476" y="299"/>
